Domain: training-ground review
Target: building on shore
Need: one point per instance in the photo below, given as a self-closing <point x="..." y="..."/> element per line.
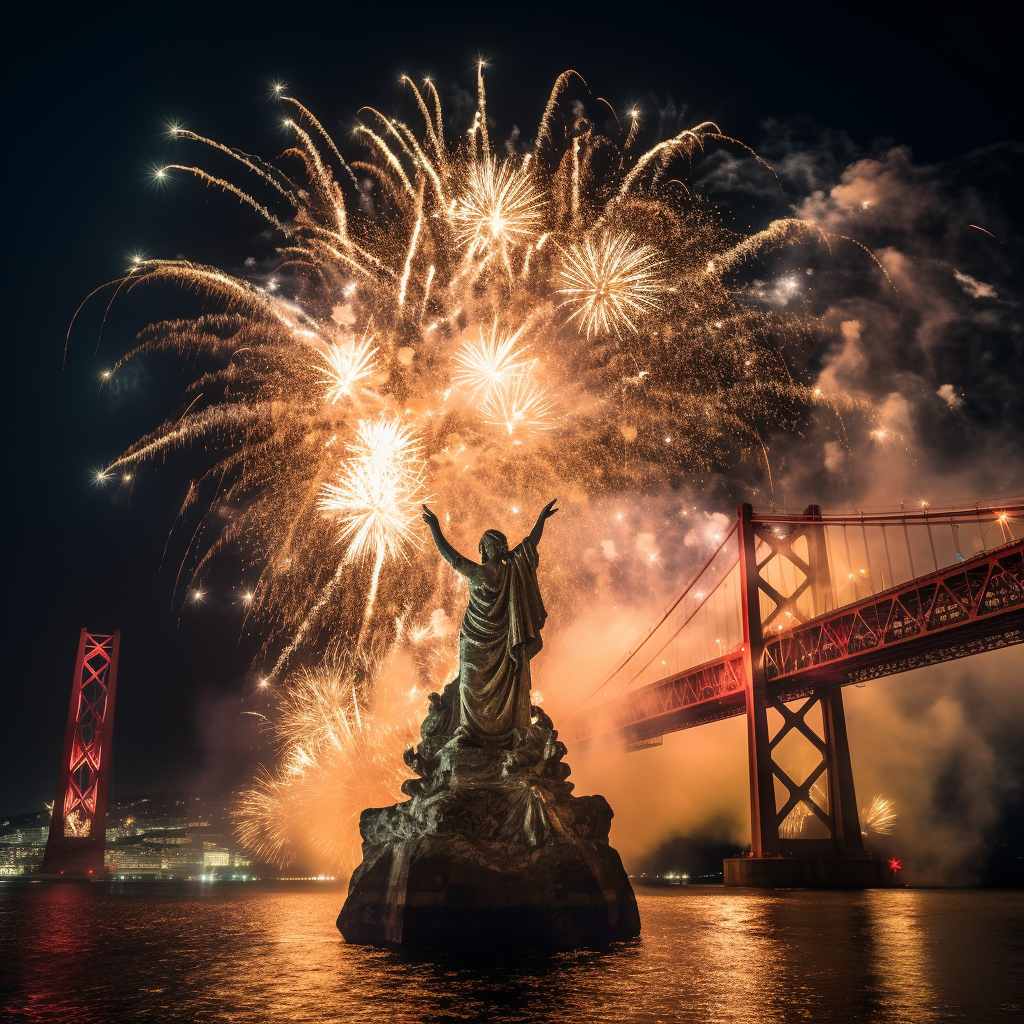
<point x="161" y="835"/>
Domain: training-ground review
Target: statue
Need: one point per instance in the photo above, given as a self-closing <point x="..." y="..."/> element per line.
<point x="500" y="633"/>
<point x="491" y="847"/>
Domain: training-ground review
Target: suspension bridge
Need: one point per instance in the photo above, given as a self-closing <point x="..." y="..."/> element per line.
<point x="788" y="610"/>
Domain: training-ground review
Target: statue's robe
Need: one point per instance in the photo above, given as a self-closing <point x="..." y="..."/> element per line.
<point x="500" y="634"/>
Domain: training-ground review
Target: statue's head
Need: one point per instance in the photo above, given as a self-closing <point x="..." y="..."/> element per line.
<point x="493" y="544"/>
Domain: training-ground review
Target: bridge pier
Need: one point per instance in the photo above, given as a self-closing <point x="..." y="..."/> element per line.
<point x="77" y="839"/>
<point x="865" y="872"/>
<point x="803" y="832"/>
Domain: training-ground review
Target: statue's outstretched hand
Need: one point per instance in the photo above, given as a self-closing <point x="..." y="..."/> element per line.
<point x="545" y="513"/>
<point x="429" y="518"/>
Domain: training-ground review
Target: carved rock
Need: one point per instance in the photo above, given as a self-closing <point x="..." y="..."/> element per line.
<point x="491" y="848"/>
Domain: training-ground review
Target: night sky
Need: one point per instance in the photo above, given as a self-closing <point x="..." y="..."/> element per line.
<point x="90" y="95"/>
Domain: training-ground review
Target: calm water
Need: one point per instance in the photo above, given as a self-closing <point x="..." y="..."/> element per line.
<point x="270" y="952"/>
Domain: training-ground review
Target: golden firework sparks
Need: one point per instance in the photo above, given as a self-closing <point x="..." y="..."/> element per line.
<point x="519" y="406"/>
<point x="610" y="282"/>
<point x="488" y="362"/>
<point x="878" y="817"/>
<point x="499" y="206"/>
<point x="346" y="364"/>
<point x="336" y="749"/>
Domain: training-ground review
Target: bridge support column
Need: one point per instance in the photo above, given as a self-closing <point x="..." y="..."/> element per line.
<point x="814" y="837"/>
<point x="764" y="835"/>
<point x="77" y="837"/>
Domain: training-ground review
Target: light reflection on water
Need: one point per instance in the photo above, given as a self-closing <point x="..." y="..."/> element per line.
<point x="270" y="952"/>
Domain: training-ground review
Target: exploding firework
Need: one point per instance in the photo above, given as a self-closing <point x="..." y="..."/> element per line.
<point x="76" y="824"/>
<point x="445" y="320"/>
<point x="336" y="748"/>
<point x="346" y="364"/>
<point x="490" y="363"/>
<point x="609" y="283"/>
<point x="876" y="819"/>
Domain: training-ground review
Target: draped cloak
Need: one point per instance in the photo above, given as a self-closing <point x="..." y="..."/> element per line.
<point x="500" y="634"/>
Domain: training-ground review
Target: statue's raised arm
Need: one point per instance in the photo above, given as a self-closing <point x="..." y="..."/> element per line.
<point x="545" y="513"/>
<point x="460" y="563"/>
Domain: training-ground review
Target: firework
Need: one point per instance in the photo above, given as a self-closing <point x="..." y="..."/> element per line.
<point x="443" y="320"/>
<point x="492" y="362"/>
<point x="377" y="497"/>
<point x="346" y="364"/>
<point x="609" y="282"/>
<point x="336" y="752"/>
<point x="385" y="269"/>
<point x="519" y="406"/>
<point x="878" y="817"/>
<point x="499" y="207"/>
<point x="76" y="824"/>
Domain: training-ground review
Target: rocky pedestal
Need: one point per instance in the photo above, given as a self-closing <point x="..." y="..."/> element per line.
<point x="491" y="848"/>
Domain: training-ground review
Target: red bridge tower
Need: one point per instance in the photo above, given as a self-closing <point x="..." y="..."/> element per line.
<point x="78" y="824"/>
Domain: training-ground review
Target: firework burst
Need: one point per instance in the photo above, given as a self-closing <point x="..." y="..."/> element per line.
<point x="519" y="406"/>
<point x="376" y="499"/>
<point x="335" y="747"/>
<point x="488" y="363"/>
<point x="499" y="207"/>
<point x="609" y="283"/>
<point x="878" y="817"/>
<point x="346" y="364"/>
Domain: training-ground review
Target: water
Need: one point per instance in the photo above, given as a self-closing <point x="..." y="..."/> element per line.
<point x="264" y="952"/>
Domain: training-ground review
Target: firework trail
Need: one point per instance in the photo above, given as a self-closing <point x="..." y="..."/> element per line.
<point x="446" y="320"/>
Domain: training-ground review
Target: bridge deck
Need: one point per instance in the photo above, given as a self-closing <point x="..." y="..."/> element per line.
<point x="972" y="606"/>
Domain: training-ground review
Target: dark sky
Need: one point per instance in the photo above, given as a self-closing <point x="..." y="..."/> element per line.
<point x="89" y="95"/>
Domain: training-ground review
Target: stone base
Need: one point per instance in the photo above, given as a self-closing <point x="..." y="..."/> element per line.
<point x="491" y="849"/>
<point x="866" y="872"/>
<point x="448" y="892"/>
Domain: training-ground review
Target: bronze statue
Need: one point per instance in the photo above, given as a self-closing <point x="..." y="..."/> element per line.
<point x="500" y="633"/>
<point x="491" y="847"/>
